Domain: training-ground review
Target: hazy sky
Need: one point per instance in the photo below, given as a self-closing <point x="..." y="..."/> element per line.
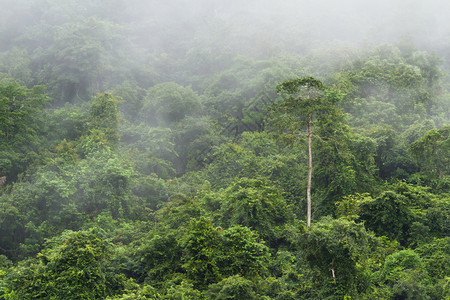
<point x="300" y="22"/>
<point x="356" y="20"/>
<point x="425" y="22"/>
<point x="348" y="20"/>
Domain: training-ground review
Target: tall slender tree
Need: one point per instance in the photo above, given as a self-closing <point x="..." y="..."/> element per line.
<point x="303" y="104"/>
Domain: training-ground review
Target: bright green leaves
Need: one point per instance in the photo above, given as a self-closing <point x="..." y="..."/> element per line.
<point x="160" y="257"/>
<point x="104" y="183"/>
<point x="432" y="152"/>
<point x="233" y="287"/>
<point x="245" y="254"/>
<point x="21" y="121"/>
<point x="436" y="257"/>
<point x="199" y="200"/>
<point x="339" y="250"/>
<point x="349" y="206"/>
<point x="104" y="116"/>
<point x="82" y="178"/>
<point x="213" y="253"/>
<point x="257" y="204"/>
<point x="71" y="267"/>
<point x="405" y="276"/>
<point x="92" y="132"/>
<point x="54" y="199"/>
<point x="103" y="126"/>
<point x="406" y="213"/>
<point x="202" y="252"/>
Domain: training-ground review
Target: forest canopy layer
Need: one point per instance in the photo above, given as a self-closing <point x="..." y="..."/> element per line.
<point x="224" y="150"/>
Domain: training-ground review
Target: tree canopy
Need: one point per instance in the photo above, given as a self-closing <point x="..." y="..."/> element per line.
<point x="221" y="150"/>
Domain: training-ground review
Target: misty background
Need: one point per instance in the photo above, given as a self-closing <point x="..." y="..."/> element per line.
<point x="131" y="31"/>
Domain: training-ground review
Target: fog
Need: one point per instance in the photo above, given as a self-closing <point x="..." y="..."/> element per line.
<point x="163" y="24"/>
<point x="355" y="22"/>
<point x="77" y="48"/>
<point x="307" y="24"/>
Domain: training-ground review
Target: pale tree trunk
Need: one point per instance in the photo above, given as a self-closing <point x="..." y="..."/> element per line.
<point x="308" y="188"/>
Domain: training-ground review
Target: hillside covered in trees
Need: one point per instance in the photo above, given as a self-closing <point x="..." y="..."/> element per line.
<point x="224" y="150"/>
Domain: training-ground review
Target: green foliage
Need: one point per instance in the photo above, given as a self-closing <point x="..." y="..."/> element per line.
<point x="67" y="123"/>
<point x="294" y="86"/>
<point x="389" y="214"/>
<point x="201" y="252"/>
<point x="168" y="103"/>
<point x="350" y="206"/>
<point x="21" y="119"/>
<point x="130" y="95"/>
<point x="151" y="190"/>
<point x="179" y="211"/>
<point x="231" y="161"/>
<point x="401" y="213"/>
<point x="74" y="261"/>
<point x="437" y="217"/>
<point x="390" y="87"/>
<point x="16" y="63"/>
<point x="11" y="227"/>
<point x="151" y="149"/>
<point x="347" y="166"/>
<point x="239" y="95"/>
<point x="234" y="287"/>
<point x="303" y="103"/>
<point x="257" y="155"/>
<point x="186" y="193"/>
<point x="306" y="109"/>
<point x="404" y="275"/>
<point x="391" y="159"/>
<point x="75" y="60"/>
<point x="183" y="291"/>
<point x="103" y="182"/>
<point x="435" y="256"/>
<point x="160" y="257"/>
<point x="193" y="139"/>
<point x="432" y="152"/>
<point x="104" y="116"/>
<point x="342" y="248"/>
<point x="55" y="198"/>
<point x="136" y="292"/>
<point x="243" y="253"/>
<point x="256" y="204"/>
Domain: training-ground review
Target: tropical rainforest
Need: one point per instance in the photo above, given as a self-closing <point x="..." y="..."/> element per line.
<point x="224" y="149"/>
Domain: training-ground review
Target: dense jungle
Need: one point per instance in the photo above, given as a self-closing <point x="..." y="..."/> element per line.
<point x="213" y="149"/>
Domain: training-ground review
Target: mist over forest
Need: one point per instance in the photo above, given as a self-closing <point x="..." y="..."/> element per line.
<point x="224" y="149"/>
